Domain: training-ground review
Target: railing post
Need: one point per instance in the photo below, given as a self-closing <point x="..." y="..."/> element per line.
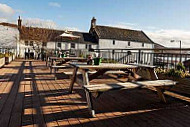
<point x="139" y="58"/>
<point x="113" y="53"/>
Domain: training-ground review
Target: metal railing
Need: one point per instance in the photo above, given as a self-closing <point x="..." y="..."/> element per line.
<point x="163" y="58"/>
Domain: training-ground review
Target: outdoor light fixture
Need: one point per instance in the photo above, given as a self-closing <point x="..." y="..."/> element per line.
<point x="179" y="46"/>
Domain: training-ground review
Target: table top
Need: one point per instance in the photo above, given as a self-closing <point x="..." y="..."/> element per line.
<point x="68" y="58"/>
<point x="142" y="65"/>
<point x="103" y="66"/>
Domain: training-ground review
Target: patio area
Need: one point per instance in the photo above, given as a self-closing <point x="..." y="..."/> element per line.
<point x="29" y="96"/>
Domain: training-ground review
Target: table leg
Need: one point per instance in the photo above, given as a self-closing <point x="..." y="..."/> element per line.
<point x="88" y="94"/>
<point x="55" y="70"/>
<point x="161" y="94"/>
<point x="73" y="79"/>
<point x="153" y="73"/>
<point x="90" y="103"/>
<point x="98" y="73"/>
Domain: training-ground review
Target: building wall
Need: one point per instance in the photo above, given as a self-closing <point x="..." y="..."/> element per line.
<point x="22" y="48"/>
<point x="67" y="46"/>
<point x="108" y="44"/>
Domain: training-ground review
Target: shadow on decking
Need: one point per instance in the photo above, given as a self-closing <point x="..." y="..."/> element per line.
<point x="135" y="107"/>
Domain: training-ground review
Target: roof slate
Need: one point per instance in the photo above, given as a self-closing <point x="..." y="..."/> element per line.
<point x="107" y="32"/>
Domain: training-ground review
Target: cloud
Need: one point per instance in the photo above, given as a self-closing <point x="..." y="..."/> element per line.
<point x="72" y="29"/>
<point x="42" y="23"/>
<point x="54" y="4"/>
<point x="160" y="36"/>
<point x="124" y="25"/>
<point x="165" y="36"/>
<point x="6" y="11"/>
<point x="36" y="22"/>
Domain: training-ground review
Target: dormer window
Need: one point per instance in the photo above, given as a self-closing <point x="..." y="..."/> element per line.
<point x="26" y="43"/>
<point x="44" y="44"/>
<point x="31" y="43"/>
<point x="142" y="44"/>
<point x="113" y="42"/>
<point x="129" y="43"/>
<point x="59" y="45"/>
<point x="73" y="45"/>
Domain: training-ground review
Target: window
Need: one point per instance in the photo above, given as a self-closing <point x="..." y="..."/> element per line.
<point x="59" y="45"/>
<point x="90" y="47"/>
<point x="31" y="43"/>
<point x="44" y="44"/>
<point x="26" y="43"/>
<point x="113" y="42"/>
<point x="86" y="46"/>
<point x="129" y="43"/>
<point x="142" y="44"/>
<point x="72" y="45"/>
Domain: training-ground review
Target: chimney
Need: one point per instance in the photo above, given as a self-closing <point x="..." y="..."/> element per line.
<point x="19" y="23"/>
<point x="93" y="23"/>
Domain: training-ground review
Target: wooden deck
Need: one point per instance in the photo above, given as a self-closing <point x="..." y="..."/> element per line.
<point x="29" y="96"/>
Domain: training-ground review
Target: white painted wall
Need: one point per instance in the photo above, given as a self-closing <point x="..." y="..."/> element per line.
<point x="65" y="45"/>
<point x="108" y="44"/>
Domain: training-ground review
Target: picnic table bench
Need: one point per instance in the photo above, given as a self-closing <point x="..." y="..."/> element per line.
<point x="63" y="63"/>
<point x="97" y="89"/>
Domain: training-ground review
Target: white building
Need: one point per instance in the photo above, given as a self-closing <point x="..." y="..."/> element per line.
<point x="33" y="39"/>
<point x="118" y="38"/>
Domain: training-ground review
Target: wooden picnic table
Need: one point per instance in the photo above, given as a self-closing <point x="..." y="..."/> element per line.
<point x="65" y="59"/>
<point x="64" y="63"/>
<point x="101" y="69"/>
<point x="97" y="89"/>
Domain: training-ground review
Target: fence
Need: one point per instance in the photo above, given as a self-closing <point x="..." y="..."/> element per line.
<point x="162" y="58"/>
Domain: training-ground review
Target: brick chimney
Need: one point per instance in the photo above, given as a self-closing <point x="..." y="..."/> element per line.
<point x="93" y="23"/>
<point x="19" y="23"/>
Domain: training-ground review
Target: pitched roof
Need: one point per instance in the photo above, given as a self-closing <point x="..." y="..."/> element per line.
<point x="159" y="46"/>
<point x="107" y="32"/>
<point x="48" y="35"/>
<point x="85" y="37"/>
<point x="39" y="34"/>
<point x="9" y="24"/>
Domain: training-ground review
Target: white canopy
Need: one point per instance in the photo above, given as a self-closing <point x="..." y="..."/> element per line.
<point x="68" y="35"/>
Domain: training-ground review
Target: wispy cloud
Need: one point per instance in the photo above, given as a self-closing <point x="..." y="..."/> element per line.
<point x="36" y="22"/>
<point x="6" y="11"/>
<point x="160" y="36"/>
<point x="124" y="25"/>
<point x="164" y="37"/>
<point x="42" y="23"/>
<point x="54" y="4"/>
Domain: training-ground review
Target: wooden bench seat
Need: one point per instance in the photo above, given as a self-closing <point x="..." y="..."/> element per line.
<point x="142" y="65"/>
<point x="129" y="85"/>
<point x="55" y="67"/>
<point x="96" y="89"/>
<point x="70" y="73"/>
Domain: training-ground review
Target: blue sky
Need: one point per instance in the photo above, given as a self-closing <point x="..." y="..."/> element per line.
<point x="148" y="15"/>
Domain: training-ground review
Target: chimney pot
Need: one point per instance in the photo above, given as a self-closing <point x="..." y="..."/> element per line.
<point x="19" y="23"/>
<point x="93" y="22"/>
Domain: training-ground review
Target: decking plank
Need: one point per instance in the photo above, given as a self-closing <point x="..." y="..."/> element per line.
<point x="8" y="106"/>
<point x="39" y="100"/>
